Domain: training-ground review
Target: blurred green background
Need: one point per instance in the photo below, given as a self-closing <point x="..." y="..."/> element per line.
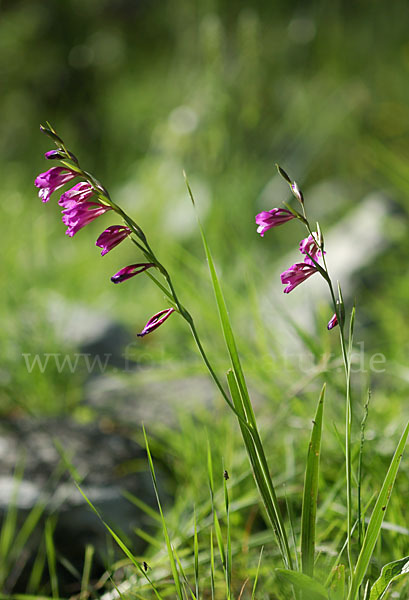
<point x="142" y="89"/>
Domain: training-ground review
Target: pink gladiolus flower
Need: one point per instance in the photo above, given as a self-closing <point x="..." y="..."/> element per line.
<point x="296" y="274"/>
<point x="333" y="322"/>
<point x="130" y="271"/>
<point x="310" y="246"/>
<point x="111" y="237"/>
<point x="155" y="321"/>
<point x="79" y="193"/>
<point x="52" y="180"/>
<point x="77" y="215"/>
<point x="272" y="218"/>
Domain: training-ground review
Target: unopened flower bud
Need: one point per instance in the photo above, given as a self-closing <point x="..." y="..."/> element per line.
<point x="297" y="192"/>
<point x="51" y="134"/>
<point x="333" y="322"/>
<point x="59" y="154"/>
<point x="283" y="174"/>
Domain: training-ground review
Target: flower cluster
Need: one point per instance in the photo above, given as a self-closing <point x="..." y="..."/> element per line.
<point x="311" y="247"/>
<point x="83" y="203"/>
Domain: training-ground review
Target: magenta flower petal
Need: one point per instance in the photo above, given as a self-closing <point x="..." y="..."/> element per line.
<point x="52" y="180"/>
<point x="310" y="246"/>
<point x="77" y="215"/>
<point x="272" y="218"/>
<point x="333" y="322"/>
<point x="79" y="193"/>
<point x="296" y="274"/>
<point x="111" y="237"/>
<point x="155" y="321"/>
<point x="130" y="271"/>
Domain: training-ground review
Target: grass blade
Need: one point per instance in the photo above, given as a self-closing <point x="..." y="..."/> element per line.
<point x="228" y="549"/>
<point x="255" y="448"/>
<point x="377" y="517"/>
<point x="257" y="574"/>
<point x="216" y="523"/>
<point x="309" y="504"/>
<point x="262" y="476"/>
<point x="9" y="525"/>
<point x="86" y="572"/>
<point x="51" y="556"/>
<point x="148" y="510"/>
<point x="212" y="571"/>
<point x="120" y="543"/>
<point x="360" y="457"/>
<point x="196" y="556"/>
<point x="37" y="570"/>
<point x="171" y="556"/>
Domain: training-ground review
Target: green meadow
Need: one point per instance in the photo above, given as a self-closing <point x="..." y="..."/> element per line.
<point x="141" y="92"/>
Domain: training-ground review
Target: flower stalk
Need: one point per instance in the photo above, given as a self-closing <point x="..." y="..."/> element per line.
<point x="313" y="248"/>
<point x="75" y="201"/>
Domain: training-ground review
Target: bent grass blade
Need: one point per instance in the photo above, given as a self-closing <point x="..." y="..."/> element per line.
<point x="391" y="572"/>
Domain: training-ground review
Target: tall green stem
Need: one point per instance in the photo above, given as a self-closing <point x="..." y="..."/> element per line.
<point x="348" y="414"/>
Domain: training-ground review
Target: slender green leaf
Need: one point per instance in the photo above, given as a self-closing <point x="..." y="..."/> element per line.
<point x="391" y="572"/>
<point x="36" y="574"/>
<point x="360" y="458"/>
<point x="86" y="572"/>
<point x="228" y="548"/>
<point x="257" y="574"/>
<point x="309" y="504"/>
<point x="149" y="539"/>
<point x="9" y="525"/>
<point x="212" y="571"/>
<point x="377" y="517"/>
<point x="216" y="523"/>
<point x="171" y="556"/>
<point x="292" y="531"/>
<point x="228" y="333"/>
<point x="262" y="476"/>
<point x="148" y="510"/>
<point x="196" y="555"/>
<point x="120" y="543"/>
<point x="304" y="583"/>
<point x="185" y="581"/>
<point x="245" y="414"/>
<point x="51" y="556"/>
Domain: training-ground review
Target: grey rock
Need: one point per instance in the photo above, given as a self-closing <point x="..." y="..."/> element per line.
<point x="101" y="460"/>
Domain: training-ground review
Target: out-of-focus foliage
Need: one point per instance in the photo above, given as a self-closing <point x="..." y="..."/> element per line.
<point x="141" y="90"/>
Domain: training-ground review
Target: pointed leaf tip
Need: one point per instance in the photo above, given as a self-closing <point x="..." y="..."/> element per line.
<point x="283" y="174"/>
<point x="189" y="188"/>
